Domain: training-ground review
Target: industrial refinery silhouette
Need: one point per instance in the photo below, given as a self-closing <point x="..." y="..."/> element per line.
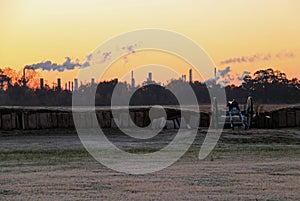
<point x="266" y="86"/>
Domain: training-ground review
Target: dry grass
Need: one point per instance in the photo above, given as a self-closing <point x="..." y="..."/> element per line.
<point x="246" y="165"/>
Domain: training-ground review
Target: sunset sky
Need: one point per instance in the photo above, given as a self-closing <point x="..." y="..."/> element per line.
<point x="230" y="31"/>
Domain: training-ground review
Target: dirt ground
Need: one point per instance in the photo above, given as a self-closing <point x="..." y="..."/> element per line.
<point x="245" y="165"/>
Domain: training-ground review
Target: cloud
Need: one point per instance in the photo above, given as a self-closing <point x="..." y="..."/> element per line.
<point x="105" y="56"/>
<point x="284" y="54"/>
<point x="128" y="50"/>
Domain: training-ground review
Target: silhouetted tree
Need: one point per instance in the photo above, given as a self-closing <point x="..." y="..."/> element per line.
<point x="266" y="86"/>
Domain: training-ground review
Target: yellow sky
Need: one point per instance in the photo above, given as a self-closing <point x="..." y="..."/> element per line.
<point x="39" y="30"/>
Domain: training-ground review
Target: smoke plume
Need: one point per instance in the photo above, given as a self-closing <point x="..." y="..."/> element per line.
<point x="241" y="77"/>
<point x="222" y="77"/>
<point x="225" y="77"/>
<point x="68" y="64"/>
<point x="259" y="57"/>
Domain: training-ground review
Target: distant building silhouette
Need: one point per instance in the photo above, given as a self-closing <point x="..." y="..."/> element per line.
<point x="58" y="84"/>
<point x="191" y="75"/>
<point x="76" y="84"/>
<point x="183" y="78"/>
<point x="132" y="81"/>
<point x="215" y="72"/>
<point x="149" y="77"/>
<point x="41" y="83"/>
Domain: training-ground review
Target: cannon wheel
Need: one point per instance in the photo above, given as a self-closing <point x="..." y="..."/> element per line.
<point x="215" y="113"/>
<point x="249" y="111"/>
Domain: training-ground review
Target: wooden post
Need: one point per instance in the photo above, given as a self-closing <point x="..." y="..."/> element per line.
<point x="13" y="120"/>
<point x="24" y="120"/>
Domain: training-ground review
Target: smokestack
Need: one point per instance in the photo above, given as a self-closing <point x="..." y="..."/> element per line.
<point x="58" y="84"/>
<point x="72" y="86"/>
<point x="191" y="75"/>
<point x="41" y="83"/>
<point x="76" y="84"/>
<point x="150" y="77"/>
<point x="69" y="86"/>
<point x="66" y="86"/>
<point x="132" y="80"/>
<point x="215" y="73"/>
<point x="92" y="81"/>
<point x="183" y="78"/>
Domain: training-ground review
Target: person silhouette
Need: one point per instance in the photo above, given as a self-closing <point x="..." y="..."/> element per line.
<point x="235" y="110"/>
<point x="233" y="105"/>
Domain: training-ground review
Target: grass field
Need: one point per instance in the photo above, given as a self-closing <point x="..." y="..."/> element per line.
<point x="245" y="165"/>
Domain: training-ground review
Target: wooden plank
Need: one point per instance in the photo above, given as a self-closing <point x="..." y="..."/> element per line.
<point x="66" y="120"/>
<point x="291" y="119"/>
<point x="25" y="120"/>
<point x="54" y="121"/>
<point x="298" y="118"/>
<point x="100" y="119"/>
<point x="13" y="120"/>
<point x="268" y="120"/>
<point x="204" y="120"/>
<point x="60" y="120"/>
<point x="31" y="121"/>
<point x="19" y="120"/>
<point x="275" y="119"/>
<point x="42" y="120"/>
<point x="261" y="121"/>
<point x="107" y="119"/>
<point x="6" y="122"/>
<point x="139" y="119"/>
<point x="282" y="120"/>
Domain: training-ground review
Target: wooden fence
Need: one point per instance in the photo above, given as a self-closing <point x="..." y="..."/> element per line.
<point x="50" y="118"/>
<point x="289" y="117"/>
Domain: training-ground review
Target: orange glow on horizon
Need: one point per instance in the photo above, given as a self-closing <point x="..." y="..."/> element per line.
<point x="34" y="31"/>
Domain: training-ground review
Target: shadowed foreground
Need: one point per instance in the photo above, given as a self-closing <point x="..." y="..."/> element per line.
<point x="246" y="165"/>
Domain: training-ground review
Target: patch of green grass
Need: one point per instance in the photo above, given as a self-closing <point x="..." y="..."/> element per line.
<point x="39" y="132"/>
<point x="8" y="192"/>
<point x="35" y="155"/>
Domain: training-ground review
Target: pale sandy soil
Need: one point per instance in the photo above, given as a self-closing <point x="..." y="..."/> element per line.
<point x="246" y="165"/>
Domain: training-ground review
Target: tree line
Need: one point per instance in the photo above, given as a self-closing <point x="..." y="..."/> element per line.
<point x="265" y="86"/>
